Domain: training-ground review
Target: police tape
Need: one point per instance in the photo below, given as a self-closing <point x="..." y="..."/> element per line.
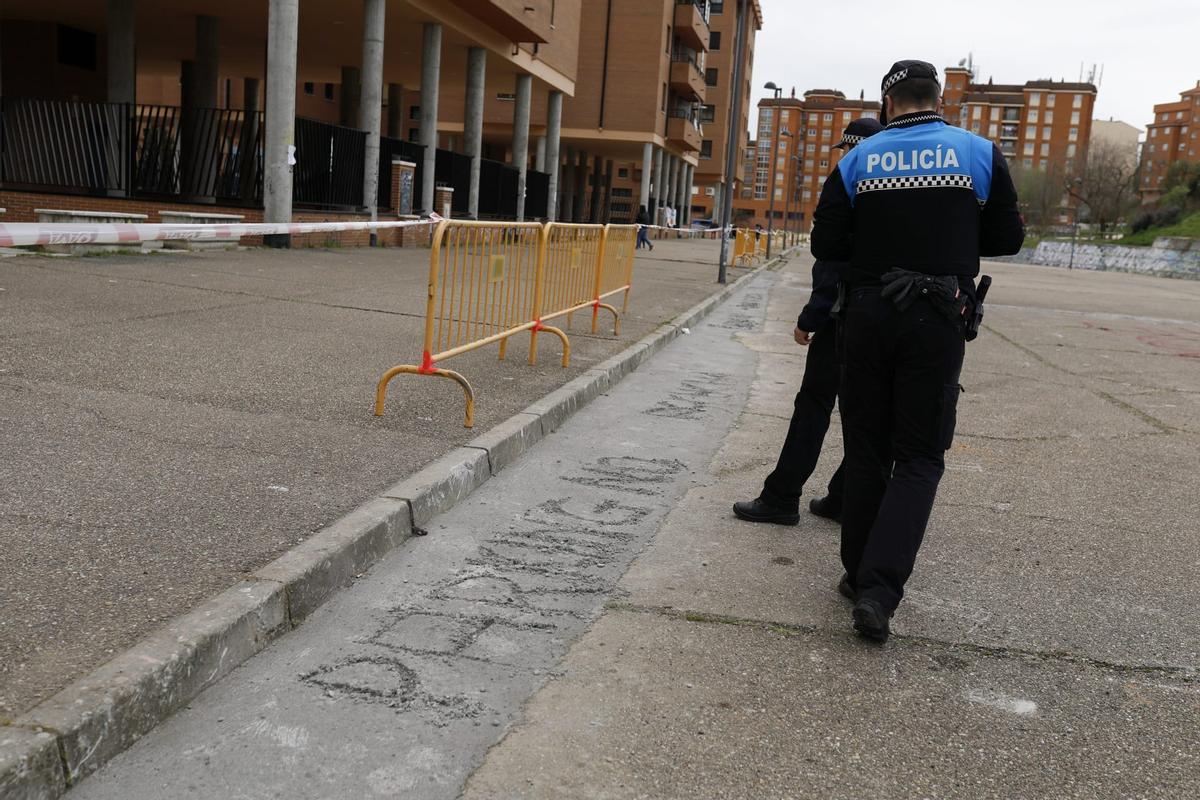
<point x="28" y="234"/>
<point x="687" y="233"/>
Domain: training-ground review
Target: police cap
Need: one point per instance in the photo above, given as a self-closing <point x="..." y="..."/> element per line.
<point x="858" y="130"/>
<point x="901" y="71"/>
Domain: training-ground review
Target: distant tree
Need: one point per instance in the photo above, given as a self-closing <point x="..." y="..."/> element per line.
<point x="1039" y="195"/>
<point x="1107" y="184"/>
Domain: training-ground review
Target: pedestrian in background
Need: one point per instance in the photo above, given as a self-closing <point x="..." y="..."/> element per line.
<point x="912" y="209"/>
<point x="779" y="500"/>
<point x="643" y="222"/>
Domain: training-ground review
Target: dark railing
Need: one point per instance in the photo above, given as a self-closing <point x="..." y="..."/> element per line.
<point x="65" y="146"/>
<point x="329" y="165"/>
<point x="497" y="189"/>
<point x="454" y="171"/>
<point x="195" y="153"/>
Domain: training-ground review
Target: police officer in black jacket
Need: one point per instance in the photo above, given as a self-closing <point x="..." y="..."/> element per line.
<point x="912" y="209"/>
<point x="779" y="501"/>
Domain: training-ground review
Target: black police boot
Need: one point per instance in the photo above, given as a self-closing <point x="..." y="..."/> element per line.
<point x="846" y="588"/>
<point x="759" y="510"/>
<point x="828" y="507"/>
<point x="870" y="620"/>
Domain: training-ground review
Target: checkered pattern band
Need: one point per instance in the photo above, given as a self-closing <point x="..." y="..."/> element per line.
<point x="915" y="182"/>
<point x="916" y="120"/>
<point x="893" y="79"/>
<point x="851" y="139"/>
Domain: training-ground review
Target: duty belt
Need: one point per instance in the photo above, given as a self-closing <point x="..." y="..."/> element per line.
<point x="904" y="287"/>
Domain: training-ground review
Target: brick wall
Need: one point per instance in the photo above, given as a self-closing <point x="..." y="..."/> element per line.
<point x="21" y="207"/>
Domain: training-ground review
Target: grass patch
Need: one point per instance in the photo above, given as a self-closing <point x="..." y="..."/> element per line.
<point x="1189" y="226"/>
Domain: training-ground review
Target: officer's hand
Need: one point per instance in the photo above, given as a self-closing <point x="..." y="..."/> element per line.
<point x="802" y="337"/>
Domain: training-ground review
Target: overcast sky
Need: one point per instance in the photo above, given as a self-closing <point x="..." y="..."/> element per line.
<point x="1148" y="48"/>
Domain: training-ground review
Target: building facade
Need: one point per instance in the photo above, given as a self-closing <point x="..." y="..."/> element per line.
<point x="1173" y="136"/>
<point x="793" y="155"/>
<point x="1121" y="136"/>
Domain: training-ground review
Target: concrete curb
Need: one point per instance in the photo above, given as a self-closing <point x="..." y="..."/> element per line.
<point x="73" y="733"/>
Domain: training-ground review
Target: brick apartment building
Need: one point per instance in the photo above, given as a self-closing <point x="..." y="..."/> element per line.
<point x="795" y="141"/>
<point x="1039" y="125"/>
<point x="567" y="99"/>
<point x="1174" y="135"/>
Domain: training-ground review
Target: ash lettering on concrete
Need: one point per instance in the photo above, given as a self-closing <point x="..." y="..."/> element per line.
<point x="693" y="399"/>
<point x="529" y="588"/>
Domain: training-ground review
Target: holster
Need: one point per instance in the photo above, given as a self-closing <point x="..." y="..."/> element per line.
<point x="975" y="318"/>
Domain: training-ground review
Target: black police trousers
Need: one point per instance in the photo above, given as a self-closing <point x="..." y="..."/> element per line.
<point x="899" y="395"/>
<point x="810" y="422"/>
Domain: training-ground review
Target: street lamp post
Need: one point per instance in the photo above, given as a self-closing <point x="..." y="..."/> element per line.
<point x="771" y="87"/>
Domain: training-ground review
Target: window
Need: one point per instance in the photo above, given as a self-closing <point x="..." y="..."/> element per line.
<point x="414" y="112"/>
<point x="778" y="194"/>
<point x="975" y="127"/>
<point x="1046" y="132"/>
<point x="827" y="117"/>
<point x="1070" y="151"/>
<point x="1030" y="131"/>
<point x="310" y="88"/>
<point x="1074" y="117"/>
<point x="995" y="113"/>
<point x="623" y="172"/>
<point x="1028" y="163"/>
<point x="668" y="39"/>
<point x="1048" y="117"/>
<point x="810" y="147"/>
<point x="1153" y="132"/>
<point x="716" y="7"/>
<point x="710" y="76"/>
<point x="994" y="131"/>
<point x="1033" y="115"/>
<point x="976" y="111"/>
<point x="714" y="40"/>
<point x="1050" y="100"/>
<point x="783" y="146"/>
<point x="706" y="148"/>
<point x="1073" y="135"/>
<point x="824" y="163"/>
<point x="808" y="194"/>
<point x="812" y="131"/>
<point x="414" y="134"/>
<point x="1012" y="114"/>
<point x="1045" y="149"/>
<point x="1035" y="98"/>
<point x="1029" y="148"/>
<point x="708" y="113"/>
<point x="1078" y="101"/>
<point x="329" y="96"/>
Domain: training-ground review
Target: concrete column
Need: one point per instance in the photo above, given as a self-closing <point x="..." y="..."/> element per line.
<point x="594" y="213"/>
<point x="539" y="157"/>
<point x="660" y="158"/>
<point x="351" y="96"/>
<point x="689" y="186"/>
<point x="370" y="110"/>
<point x="681" y="200"/>
<point x="207" y="72"/>
<point x="473" y="122"/>
<point x="647" y="167"/>
<point x="122" y="63"/>
<point x="580" y="186"/>
<point x="283" y="19"/>
<point x="247" y="148"/>
<point x="395" y="105"/>
<point x="553" y="157"/>
<point x="431" y="67"/>
<point x="672" y="173"/>
<point x="520" y="144"/>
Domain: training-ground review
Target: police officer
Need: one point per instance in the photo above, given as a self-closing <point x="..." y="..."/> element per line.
<point x="779" y="501"/>
<point x="912" y="209"/>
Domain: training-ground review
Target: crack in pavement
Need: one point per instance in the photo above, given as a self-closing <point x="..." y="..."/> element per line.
<point x="1182" y="674"/>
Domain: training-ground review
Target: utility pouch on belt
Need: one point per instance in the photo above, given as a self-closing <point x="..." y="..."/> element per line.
<point x="975" y="318"/>
<point x="903" y="287"/>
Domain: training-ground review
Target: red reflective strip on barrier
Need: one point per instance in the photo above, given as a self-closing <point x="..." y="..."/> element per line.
<point x="538" y="326"/>
<point x="5" y="239"/>
<point x="127" y="232"/>
<point x="426" y="363"/>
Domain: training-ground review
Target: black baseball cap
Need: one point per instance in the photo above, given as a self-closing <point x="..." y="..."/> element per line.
<point x="858" y="130"/>
<point x="901" y="71"/>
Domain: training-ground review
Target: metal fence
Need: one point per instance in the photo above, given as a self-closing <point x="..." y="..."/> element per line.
<point x="169" y="152"/>
<point x="406" y="151"/>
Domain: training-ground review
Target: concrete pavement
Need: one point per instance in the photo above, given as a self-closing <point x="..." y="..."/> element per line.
<point x="171" y="423"/>
<point x="1047" y="647"/>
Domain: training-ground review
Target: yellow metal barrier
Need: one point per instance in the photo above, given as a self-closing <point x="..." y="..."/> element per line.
<point x="615" y="275"/>
<point x="485" y="286"/>
<point x="571" y="254"/>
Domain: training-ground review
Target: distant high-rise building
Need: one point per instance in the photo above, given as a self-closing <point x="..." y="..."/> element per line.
<point x="1174" y="135"/>
<point x="1120" y="135"/>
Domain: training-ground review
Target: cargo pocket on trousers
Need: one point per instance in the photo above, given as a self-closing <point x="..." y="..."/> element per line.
<point x="950" y="393"/>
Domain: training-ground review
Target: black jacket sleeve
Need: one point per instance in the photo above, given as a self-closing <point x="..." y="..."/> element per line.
<point x="833" y="221"/>
<point x="826" y="275"/>
<point x="1001" y="231"/>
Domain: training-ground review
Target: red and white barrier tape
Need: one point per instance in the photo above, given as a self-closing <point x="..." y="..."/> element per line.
<point x="25" y="234"/>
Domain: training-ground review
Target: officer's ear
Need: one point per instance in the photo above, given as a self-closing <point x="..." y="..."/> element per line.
<point x="938" y="108"/>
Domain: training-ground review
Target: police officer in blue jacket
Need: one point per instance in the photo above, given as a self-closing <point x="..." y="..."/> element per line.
<point x="911" y="209"/>
<point x="779" y="501"/>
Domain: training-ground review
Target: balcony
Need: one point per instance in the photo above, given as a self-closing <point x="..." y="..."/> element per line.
<point x="687" y="79"/>
<point x="691" y="26"/>
<point x="526" y="21"/>
<point x="683" y="127"/>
